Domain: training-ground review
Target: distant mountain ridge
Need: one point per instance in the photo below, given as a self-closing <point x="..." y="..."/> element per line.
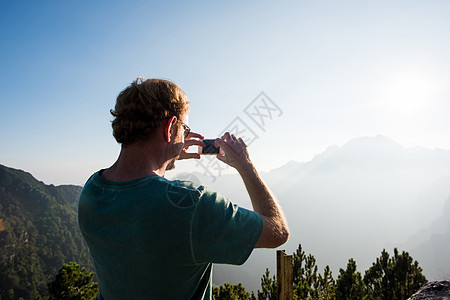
<point x="38" y="233"/>
<point x="432" y="244"/>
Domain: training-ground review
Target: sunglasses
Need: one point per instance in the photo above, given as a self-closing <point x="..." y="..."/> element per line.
<point x="186" y="129"/>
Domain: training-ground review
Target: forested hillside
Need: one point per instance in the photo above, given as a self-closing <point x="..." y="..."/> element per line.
<point x="38" y="233"/>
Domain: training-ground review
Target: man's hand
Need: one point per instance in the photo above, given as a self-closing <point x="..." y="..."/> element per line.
<point x="193" y="139"/>
<point x="233" y="152"/>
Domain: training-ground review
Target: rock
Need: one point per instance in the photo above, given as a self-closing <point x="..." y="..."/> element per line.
<point x="433" y="290"/>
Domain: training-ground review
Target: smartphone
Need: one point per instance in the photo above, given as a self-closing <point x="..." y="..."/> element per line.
<point x="209" y="148"/>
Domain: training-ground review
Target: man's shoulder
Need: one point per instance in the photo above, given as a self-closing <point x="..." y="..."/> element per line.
<point x="185" y="193"/>
<point x="180" y="192"/>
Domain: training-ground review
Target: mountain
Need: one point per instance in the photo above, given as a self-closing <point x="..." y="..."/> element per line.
<point x="38" y="233"/>
<point x="348" y="202"/>
<point x="431" y="245"/>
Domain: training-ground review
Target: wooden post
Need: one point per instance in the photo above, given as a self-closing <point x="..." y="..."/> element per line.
<point x="285" y="276"/>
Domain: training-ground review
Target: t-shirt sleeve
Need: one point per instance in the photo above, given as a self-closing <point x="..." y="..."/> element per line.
<point x="222" y="232"/>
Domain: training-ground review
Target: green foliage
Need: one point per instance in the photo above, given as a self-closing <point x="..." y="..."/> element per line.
<point x="349" y="285"/>
<point x="326" y="286"/>
<point x="268" y="287"/>
<point x="73" y="283"/>
<point x="396" y="277"/>
<point x="38" y="233"/>
<point x="308" y="284"/>
<point x="305" y="274"/>
<point x="389" y="278"/>
<point x="232" y="292"/>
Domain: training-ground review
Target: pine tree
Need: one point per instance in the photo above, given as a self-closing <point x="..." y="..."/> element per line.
<point x="268" y="287"/>
<point x="349" y="285"/>
<point x="308" y="283"/>
<point x="305" y="273"/>
<point x="229" y="291"/>
<point x="325" y="287"/>
<point x="396" y="277"/>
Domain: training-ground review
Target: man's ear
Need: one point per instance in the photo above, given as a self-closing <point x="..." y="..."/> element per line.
<point x="169" y="127"/>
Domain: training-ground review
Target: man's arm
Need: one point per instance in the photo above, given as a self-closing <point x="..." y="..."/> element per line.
<point x="234" y="153"/>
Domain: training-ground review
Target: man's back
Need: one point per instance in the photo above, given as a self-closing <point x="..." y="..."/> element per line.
<point x="152" y="238"/>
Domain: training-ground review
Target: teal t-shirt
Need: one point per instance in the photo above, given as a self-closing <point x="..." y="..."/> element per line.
<point x="152" y="238"/>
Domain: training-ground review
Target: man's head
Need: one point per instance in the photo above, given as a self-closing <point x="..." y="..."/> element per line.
<point x="142" y="106"/>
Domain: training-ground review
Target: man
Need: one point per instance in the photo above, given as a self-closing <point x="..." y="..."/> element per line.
<point x="152" y="238"/>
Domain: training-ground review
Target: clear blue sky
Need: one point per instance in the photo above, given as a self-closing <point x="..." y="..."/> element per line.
<point x="336" y="69"/>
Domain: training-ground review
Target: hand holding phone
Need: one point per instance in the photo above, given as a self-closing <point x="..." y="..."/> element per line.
<point x="209" y="148"/>
<point x="234" y="152"/>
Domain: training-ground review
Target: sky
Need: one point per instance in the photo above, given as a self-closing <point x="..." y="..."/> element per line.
<point x="298" y="76"/>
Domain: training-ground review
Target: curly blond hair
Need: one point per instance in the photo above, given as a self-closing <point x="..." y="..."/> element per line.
<point x="142" y="106"/>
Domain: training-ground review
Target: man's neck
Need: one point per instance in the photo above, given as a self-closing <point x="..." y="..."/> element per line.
<point x="136" y="161"/>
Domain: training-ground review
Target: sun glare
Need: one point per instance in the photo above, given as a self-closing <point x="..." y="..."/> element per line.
<point x="407" y="94"/>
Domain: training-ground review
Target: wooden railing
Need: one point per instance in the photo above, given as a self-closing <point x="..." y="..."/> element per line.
<point x="285" y="275"/>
